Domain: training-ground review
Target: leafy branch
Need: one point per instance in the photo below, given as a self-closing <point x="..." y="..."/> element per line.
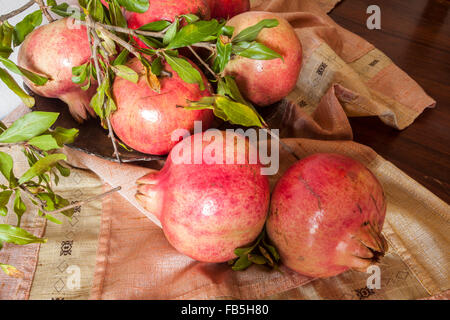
<point x="40" y="144"/>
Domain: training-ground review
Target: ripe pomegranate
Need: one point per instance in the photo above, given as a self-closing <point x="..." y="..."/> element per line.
<point x="167" y="10"/>
<point x="145" y="119"/>
<point x="208" y="209"/>
<point x="53" y="50"/>
<point x="326" y="216"/>
<point x="264" y="82"/>
<point x="226" y="9"/>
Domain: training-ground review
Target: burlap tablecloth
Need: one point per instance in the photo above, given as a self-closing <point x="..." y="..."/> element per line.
<point x="342" y="75"/>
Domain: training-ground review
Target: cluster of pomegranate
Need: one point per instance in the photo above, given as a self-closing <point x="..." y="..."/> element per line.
<point x="325" y="214"/>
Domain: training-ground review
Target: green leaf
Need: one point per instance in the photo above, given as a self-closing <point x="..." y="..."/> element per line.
<point x="251" y="33"/>
<point x="116" y="15"/>
<point x="42" y="166"/>
<point x="242" y="263"/>
<point x="12" y="84"/>
<point x="257" y="259"/>
<point x="64" y="10"/>
<point x="19" y="207"/>
<point x="126" y="73"/>
<point x="65" y="172"/>
<point x="26" y="26"/>
<point x="150" y="42"/>
<point x="193" y="33"/>
<point x="185" y="70"/>
<point x="6" y="166"/>
<point x="64" y="136"/>
<point x="45" y="142"/>
<point x="139" y="6"/>
<point x="157" y="66"/>
<point x="29" y="126"/>
<point x="96" y="10"/>
<point x="223" y="56"/>
<point x="190" y="18"/>
<point x="4" y="200"/>
<point x="11" y="270"/>
<point x="171" y="33"/>
<point x="37" y="79"/>
<point x="121" y="58"/>
<point x="98" y="100"/>
<point x="155" y="26"/>
<point x="255" y="50"/>
<point x="227" y="31"/>
<point x="80" y="73"/>
<point x="238" y="113"/>
<point x="17" y="235"/>
<point x="6" y="34"/>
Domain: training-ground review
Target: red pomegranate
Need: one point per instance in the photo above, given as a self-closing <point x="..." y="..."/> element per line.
<point x="326" y="216"/>
<point x="53" y="50"/>
<point x="226" y="9"/>
<point x="210" y="208"/>
<point x="264" y="82"/>
<point x="167" y="10"/>
<point x="145" y="119"/>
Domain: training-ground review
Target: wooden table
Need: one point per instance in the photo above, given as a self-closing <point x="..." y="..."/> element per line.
<point x="415" y="34"/>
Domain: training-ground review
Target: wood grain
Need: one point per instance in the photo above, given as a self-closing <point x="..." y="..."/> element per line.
<point x="416" y="36"/>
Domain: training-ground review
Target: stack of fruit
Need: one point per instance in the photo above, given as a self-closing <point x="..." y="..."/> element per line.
<point x="326" y="212"/>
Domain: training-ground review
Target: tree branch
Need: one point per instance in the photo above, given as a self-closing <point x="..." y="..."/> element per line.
<point x="203" y="62"/>
<point x="94" y="46"/>
<point x="14" y="13"/>
<point x="72" y="206"/>
<point x="44" y="10"/>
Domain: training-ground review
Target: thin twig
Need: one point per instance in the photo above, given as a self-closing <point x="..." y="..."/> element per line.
<point x="136" y="32"/>
<point x="117" y="39"/>
<point x="96" y="43"/>
<point x="203" y="62"/>
<point x="72" y="206"/>
<point x="14" y="13"/>
<point x="44" y="10"/>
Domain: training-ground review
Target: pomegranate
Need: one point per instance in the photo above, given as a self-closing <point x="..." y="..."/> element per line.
<point x="167" y="10"/>
<point x="53" y="50"/>
<point x="264" y="82"/>
<point x="208" y="209"/>
<point x="226" y="9"/>
<point x="145" y="119"/>
<point x="326" y="216"/>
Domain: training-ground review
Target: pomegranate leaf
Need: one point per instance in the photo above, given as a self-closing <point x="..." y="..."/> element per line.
<point x="6" y="34"/>
<point x="185" y="70"/>
<point x="37" y="79"/>
<point x="171" y="32"/>
<point x="126" y="73"/>
<point x="28" y="126"/>
<point x="19" y="207"/>
<point x="139" y="6"/>
<point x="251" y="33"/>
<point x="96" y="10"/>
<point x="12" y="84"/>
<point x="155" y="26"/>
<point x="27" y="25"/>
<point x="6" y="167"/>
<point x="11" y="270"/>
<point x="44" y="142"/>
<point x="255" y="50"/>
<point x="223" y="56"/>
<point x="195" y="32"/>
<point x="242" y="263"/>
<point x="17" y="235"/>
<point x="41" y="166"/>
<point x="116" y="15"/>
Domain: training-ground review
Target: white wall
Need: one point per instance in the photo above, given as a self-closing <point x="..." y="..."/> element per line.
<point x="8" y="100"/>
